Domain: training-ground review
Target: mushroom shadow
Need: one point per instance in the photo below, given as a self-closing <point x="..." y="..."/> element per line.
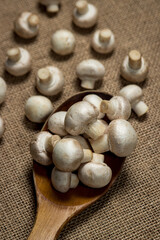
<point x="31" y="125"/>
<point x="43" y="10"/>
<point x="10" y="79"/>
<point x="59" y="58"/>
<point x="21" y="40"/>
<point x="101" y="56"/>
<point x="124" y="82"/>
<point x="83" y="31"/>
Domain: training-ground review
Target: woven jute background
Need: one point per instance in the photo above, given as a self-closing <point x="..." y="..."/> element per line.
<point x="131" y="209"/>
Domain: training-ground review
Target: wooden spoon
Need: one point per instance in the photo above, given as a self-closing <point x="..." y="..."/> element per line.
<point x="55" y="209"/>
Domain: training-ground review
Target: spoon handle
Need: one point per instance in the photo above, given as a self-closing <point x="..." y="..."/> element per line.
<point x="50" y="220"/>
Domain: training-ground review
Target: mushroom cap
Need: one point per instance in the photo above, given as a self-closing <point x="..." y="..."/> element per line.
<point x="38" y="108"/>
<point x="122" y="137"/>
<point x="78" y="116"/>
<point x="20" y="67"/>
<point x="67" y="155"/>
<point x="56" y="123"/>
<point x="2" y="127"/>
<point x="96" y="101"/>
<point x="38" y="148"/>
<point x="22" y="27"/>
<point x="134" y="75"/>
<point x="95" y="175"/>
<point x="60" y="180"/>
<point x="74" y="180"/>
<point x="103" y="47"/>
<point x="63" y="42"/>
<point x="90" y="70"/>
<point x="55" y="83"/>
<point x="3" y="89"/>
<point x="83" y="142"/>
<point x="132" y="92"/>
<point x="86" y="20"/>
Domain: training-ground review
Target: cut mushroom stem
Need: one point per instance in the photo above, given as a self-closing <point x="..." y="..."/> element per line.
<point x="33" y="20"/>
<point x="74" y="181"/>
<point x="105" y="35"/>
<point x="81" y="6"/>
<point x="88" y="154"/>
<point x="51" y="142"/>
<point x="104" y="106"/>
<point x="140" y="108"/>
<point x="14" y="54"/>
<point x="53" y="8"/>
<point x="96" y="129"/>
<point x="135" y="59"/>
<point x="97" y="158"/>
<point x="44" y="75"/>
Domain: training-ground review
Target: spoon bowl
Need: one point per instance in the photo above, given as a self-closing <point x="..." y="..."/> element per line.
<point x="55" y="209"/>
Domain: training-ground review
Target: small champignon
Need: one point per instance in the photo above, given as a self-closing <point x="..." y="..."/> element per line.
<point x="2" y="127"/>
<point x="95" y="175"/>
<point x="49" y="81"/>
<point x="3" y="89"/>
<point x="101" y="144"/>
<point x="96" y="129"/>
<point x="103" y="41"/>
<point x="78" y="116"/>
<point x="18" y="61"/>
<point x="38" y="108"/>
<point x="85" y="15"/>
<point x="60" y="180"/>
<point x="27" y="25"/>
<point x="117" y="107"/>
<point x="97" y="158"/>
<point x="56" y="123"/>
<point x="41" y="147"/>
<point x="134" y="67"/>
<point x="83" y="142"/>
<point x="63" y="42"/>
<point x="74" y="180"/>
<point x="96" y="101"/>
<point x="89" y="71"/>
<point x="122" y="137"/>
<point x="134" y="94"/>
<point x="52" y="6"/>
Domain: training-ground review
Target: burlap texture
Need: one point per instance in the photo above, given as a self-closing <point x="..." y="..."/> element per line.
<point x="130" y="210"/>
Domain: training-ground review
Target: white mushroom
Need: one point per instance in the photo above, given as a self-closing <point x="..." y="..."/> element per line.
<point x="27" y="25"/>
<point x="78" y="116"/>
<point x="74" y="180"/>
<point x="97" y="158"/>
<point x="52" y="6"/>
<point x="103" y="41"/>
<point x="63" y="42"/>
<point x="3" y="89"/>
<point x="41" y="147"/>
<point x="134" y="94"/>
<point x="85" y="15"/>
<point x="134" y="67"/>
<point x="83" y="142"/>
<point x="2" y="127"/>
<point x="56" y="123"/>
<point x="49" y="81"/>
<point x="96" y="129"/>
<point x="101" y="144"/>
<point x="89" y="71"/>
<point x="95" y="175"/>
<point x="38" y="108"/>
<point x="18" y="62"/>
<point x="96" y="101"/>
<point x="117" y="107"/>
<point x="68" y="154"/>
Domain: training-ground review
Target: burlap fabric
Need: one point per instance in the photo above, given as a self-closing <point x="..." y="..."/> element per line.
<point x="130" y="210"/>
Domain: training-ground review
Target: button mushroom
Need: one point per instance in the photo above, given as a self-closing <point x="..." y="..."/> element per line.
<point x="117" y="107"/>
<point x="96" y="129"/>
<point x="2" y="127"/>
<point x="49" y="81"/>
<point x="81" y="140"/>
<point x="27" y="25"/>
<point x="41" y="147"/>
<point x="134" y="67"/>
<point x="52" y="6"/>
<point x="95" y="175"/>
<point x="96" y="101"/>
<point x="18" y="62"/>
<point x="3" y="89"/>
<point x="89" y="71"/>
<point x="134" y="94"/>
<point x="103" y="41"/>
<point x="38" y="108"/>
<point x="56" y="123"/>
<point x="101" y="144"/>
<point x="85" y="15"/>
<point x="63" y="42"/>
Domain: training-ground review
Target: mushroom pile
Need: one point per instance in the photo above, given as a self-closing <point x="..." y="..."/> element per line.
<point x="76" y="140"/>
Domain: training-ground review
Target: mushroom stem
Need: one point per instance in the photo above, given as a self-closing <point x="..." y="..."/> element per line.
<point x="140" y="108"/>
<point x="53" y="8"/>
<point x="82" y="6"/>
<point x="135" y="59"/>
<point x="74" y="181"/>
<point x="98" y="158"/>
<point x="96" y="129"/>
<point x="14" y="54"/>
<point x="51" y="142"/>
<point x="88" y="84"/>
<point x="104" y="106"/>
<point x="105" y="35"/>
<point x="87" y="156"/>
<point x="44" y="75"/>
<point x="101" y="144"/>
<point x="33" y="20"/>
